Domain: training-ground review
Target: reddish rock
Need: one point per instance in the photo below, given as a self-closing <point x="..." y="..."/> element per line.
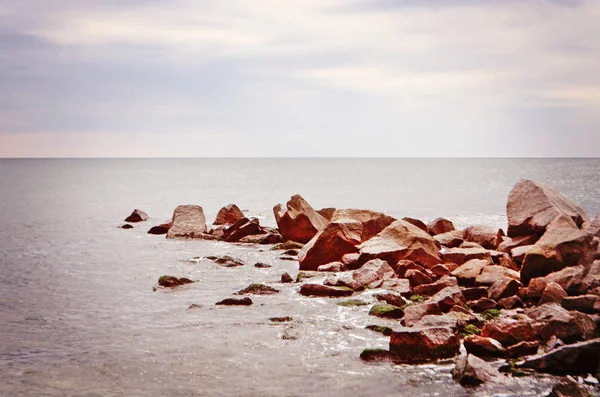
<point x="440" y="226"/>
<point x="507" y="262"/>
<point x="553" y="293"/>
<point x="475" y="293"/>
<point x="326" y="213"/>
<point x="433" y="288"/>
<point x="508" y="244"/>
<point x="593" y="227"/>
<point x="188" y="222"/>
<point x="163" y="228"/>
<point x="473" y="371"/>
<point x="401" y="286"/>
<point x="509" y="331"/>
<point x="470" y="244"/>
<point x="558" y="248"/>
<point x="416" y="222"/>
<point x="297" y="220"/>
<point x="171" y="281"/>
<point x="451" y="239"/>
<point x="487" y="237"/>
<point x="332" y="267"/>
<point x="447" y="298"/>
<point x="401" y="240"/>
<point x="127" y="226"/>
<point x="228" y="215"/>
<point x="440" y="270"/>
<point x="270" y="236"/>
<point x="414" y="312"/>
<point x="522" y="349"/>
<point x="417" y="277"/>
<point x="392" y="299"/>
<point x="419" y="345"/>
<point x="510" y="303"/>
<point x="372" y="222"/>
<point x="137" y="216"/>
<point x="532" y="206"/>
<point x="241" y="228"/>
<point x="581" y="303"/>
<point x="492" y="274"/>
<point x="569" y="387"/>
<point x="402" y="266"/>
<point x="554" y="320"/>
<point x="286" y="278"/>
<point x="371" y="274"/>
<point x="330" y="244"/>
<point x="325" y="290"/>
<point x="468" y="272"/>
<point x="503" y="288"/>
<point x="483" y="347"/>
<point x="463" y="255"/>
<point x="518" y="253"/>
<point x="235" y="302"/>
<point x="579" y="359"/>
<point x="569" y="278"/>
<point x="350" y="260"/>
<point x="482" y="305"/>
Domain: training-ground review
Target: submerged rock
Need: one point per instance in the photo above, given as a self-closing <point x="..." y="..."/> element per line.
<point x="226" y="261"/>
<point x="137" y="216"/>
<point x="188" y="222"/>
<point x="258" y="289"/>
<point x="163" y="228"/>
<point x="235" y="302"/>
<point x="286" y="278"/>
<point x="386" y="311"/>
<point x="127" y="226"/>
<point x="325" y="290"/>
<point x="172" y="281"/>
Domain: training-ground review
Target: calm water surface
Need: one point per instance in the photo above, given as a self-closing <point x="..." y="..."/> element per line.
<point x="79" y="317"/>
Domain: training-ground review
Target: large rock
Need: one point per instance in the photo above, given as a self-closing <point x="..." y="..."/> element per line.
<point x="372" y="222"/>
<point x="558" y="248"/>
<point x="554" y="320"/>
<point x="338" y="238"/>
<point x="553" y="293"/>
<point x="440" y="226"/>
<point x="401" y="240"/>
<point x="228" y="215"/>
<point x="462" y="255"/>
<point x="451" y="239"/>
<point x="188" y="222"/>
<point x="487" y="237"/>
<point x="532" y="206"/>
<point x="241" y="228"/>
<point x="372" y="274"/>
<point x="447" y="298"/>
<point x="473" y="371"/>
<point x="483" y="347"/>
<point x="433" y="288"/>
<point x="415" y="312"/>
<point x="579" y="358"/>
<point x="325" y="290"/>
<point x="163" y="228"/>
<point x="327" y="213"/>
<point x="509" y="331"/>
<point x="137" y="216"/>
<point x="297" y="220"/>
<point x="419" y="345"/>
<point x="468" y="272"/>
<point x="569" y="278"/>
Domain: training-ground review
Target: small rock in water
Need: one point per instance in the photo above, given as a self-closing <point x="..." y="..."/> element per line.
<point x="286" y="278"/>
<point x="127" y="226"/>
<point x="235" y="302"/>
<point x="195" y="306"/>
<point x="381" y="329"/>
<point x="386" y="311"/>
<point x="291" y="252"/>
<point x="137" y="216"/>
<point x="226" y="261"/>
<point x="287" y="245"/>
<point x="261" y="265"/>
<point x="285" y="319"/>
<point x="171" y="281"/>
<point x="163" y="228"/>
<point x="258" y="289"/>
<point x="288" y="258"/>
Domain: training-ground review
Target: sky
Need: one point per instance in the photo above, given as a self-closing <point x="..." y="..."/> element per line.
<point x="300" y="78"/>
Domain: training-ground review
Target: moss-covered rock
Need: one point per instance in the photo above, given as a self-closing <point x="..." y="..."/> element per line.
<point x="381" y="329"/>
<point x="172" y="281"/>
<point x="469" y="329"/>
<point x="377" y="355"/>
<point x="287" y="245"/>
<point x="416" y="298"/>
<point x="352" y="302"/>
<point x="386" y="311"/>
<point x="490" y="314"/>
<point x="258" y="289"/>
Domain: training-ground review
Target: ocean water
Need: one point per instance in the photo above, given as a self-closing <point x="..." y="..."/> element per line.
<point x="79" y="316"/>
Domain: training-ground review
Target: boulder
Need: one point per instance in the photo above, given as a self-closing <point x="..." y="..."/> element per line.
<point x="553" y="293"/>
<point x="327" y="213"/>
<point x="532" y="206"/>
<point x="241" y="228"/>
<point x="286" y="278"/>
<point x="468" y="272"/>
<point x="581" y="303"/>
<point x="137" y="216"/>
<point x="401" y="240"/>
<point x="391" y="299"/>
<point x="473" y="371"/>
<point x="558" y="248"/>
<point x="235" y="302"/>
<point x="578" y="359"/>
<point x="491" y="274"/>
<point x="554" y="320"/>
<point x="483" y="347"/>
<point x="268" y="236"/>
<point x="350" y="260"/>
<point x="188" y="222"/>
<point x="372" y="222"/>
<point x="163" y="228"/>
<point x="451" y="239"/>
<point x="413" y="313"/>
<point x="332" y="267"/>
<point x="338" y="238"/>
<point x="482" y="305"/>
<point x="226" y="261"/>
<point x="569" y="278"/>
<point x="386" y="311"/>
<point x="503" y="288"/>
<point x="228" y="215"/>
<point x="440" y="226"/>
<point x="372" y="274"/>
<point x="172" y="281"/>
<point x="402" y="266"/>
<point x="127" y="226"/>
<point x="433" y="288"/>
<point x="401" y="286"/>
<point x="463" y="255"/>
<point x="417" y="277"/>
<point x="518" y="253"/>
<point x="487" y="237"/>
<point x="513" y="302"/>
<point x="325" y="290"/>
<point x="417" y="222"/>
<point x="569" y="388"/>
<point x="447" y="298"/>
<point x="522" y="349"/>
<point x="258" y="289"/>
<point x="420" y="345"/>
<point x="509" y="331"/>
<point x="474" y="293"/>
<point x="297" y="220"/>
<point x="508" y="244"/>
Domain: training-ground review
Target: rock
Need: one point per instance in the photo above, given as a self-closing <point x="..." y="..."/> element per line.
<point x="401" y="286"/>
<point x="372" y="274"/>
<point x="558" y="248"/>
<point x="491" y="274"/>
<point x="194" y="306"/>
<point x="419" y="345"/>
<point x="228" y="215"/>
<point x="285" y="319"/>
<point x="405" y="265"/>
<point x="532" y="206"/>
<point x="473" y="371"/>
<point x="510" y="303"/>
<point x="298" y="221"/>
<point x="235" y="302"/>
<point x="241" y="228"/>
<point x="518" y="253"/>
<point x="163" y="228"/>
<point x="475" y="293"/>
<point x="377" y="355"/>
<point x="509" y="331"/>
<point x="287" y="245"/>
<point x="372" y="222"/>
<point x="508" y="244"/>
<point x="440" y="271"/>
<point x="447" y="298"/>
<point x="450" y="320"/>
<point x="413" y="313"/>
<point x="468" y="272"/>
<point x="226" y="261"/>
<point x="579" y="358"/>
<point x="127" y="226"/>
<point x="553" y="293"/>
<point x="503" y="288"/>
<point x="482" y="305"/>
<point x="350" y="260"/>
<point x="305" y="275"/>
<point x="258" y="289"/>
<point x="483" y="347"/>
<point x="188" y="222"/>
<point x="553" y="343"/>
<point x="325" y="290"/>
<point x="569" y="278"/>
<point x="292" y="252"/>
<point x="332" y="267"/>
<point x="401" y="240"/>
<point x="137" y="216"/>
<point x="440" y="226"/>
<point x="386" y="331"/>
<point x="487" y="237"/>
<point x="418" y="223"/>
<point x="433" y="288"/>
<point x="581" y="303"/>
<point x="391" y="299"/>
<point x="331" y="243"/>
<point x="386" y="311"/>
<point x="471" y="244"/>
<point x="417" y="277"/>
<point x="327" y="213"/>
<point x="569" y="388"/>
<point x="261" y="265"/>
<point x="522" y="349"/>
<point x="464" y="255"/>
<point x="554" y="320"/>
<point x="171" y="281"/>
<point x="451" y="239"/>
<point x="286" y="278"/>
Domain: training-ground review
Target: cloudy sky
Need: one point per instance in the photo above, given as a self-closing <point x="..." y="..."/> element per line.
<point x="393" y="78"/>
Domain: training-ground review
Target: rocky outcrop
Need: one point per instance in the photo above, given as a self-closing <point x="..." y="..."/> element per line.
<point x="401" y="240"/>
<point x="228" y="215"/>
<point x="420" y="345"/>
<point x="330" y="244"/>
<point x="532" y="206"/>
<point x="372" y="222"/>
<point x="188" y="222"/>
<point x="137" y="216"/>
<point x="297" y="220"/>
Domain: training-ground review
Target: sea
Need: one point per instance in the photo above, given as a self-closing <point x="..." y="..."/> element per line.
<point x="79" y="314"/>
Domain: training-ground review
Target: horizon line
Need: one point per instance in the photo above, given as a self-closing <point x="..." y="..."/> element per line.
<point x="303" y="158"/>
